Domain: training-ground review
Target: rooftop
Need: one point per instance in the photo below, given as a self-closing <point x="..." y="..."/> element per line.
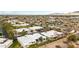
<point x="28" y="29"/>
<point x="51" y="33"/>
<point x="21" y="29"/>
<point x="35" y="27"/>
<point x="5" y="43"/>
<point x="28" y="39"/>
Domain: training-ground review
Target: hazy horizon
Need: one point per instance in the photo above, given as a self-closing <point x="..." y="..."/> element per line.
<point x="28" y="12"/>
<point x="25" y="12"/>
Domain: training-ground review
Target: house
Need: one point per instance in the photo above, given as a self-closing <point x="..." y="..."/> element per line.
<point x="24" y="24"/>
<point x="30" y="29"/>
<point x="35" y="28"/>
<point x="52" y="33"/>
<point x="22" y="29"/>
<point x="17" y="23"/>
<point x="27" y="40"/>
<point x="4" y="43"/>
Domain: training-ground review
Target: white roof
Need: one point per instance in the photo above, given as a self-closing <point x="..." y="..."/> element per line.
<point x="28" y="39"/>
<point x="20" y="24"/>
<point x="21" y="29"/>
<point x="2" y="39"/>
<point x="28" y="29"/>
<point x="51" y="33"/>
<point x="2" y="46"/>
<point x="35" y="27"/>
<point x="6" y="44"/>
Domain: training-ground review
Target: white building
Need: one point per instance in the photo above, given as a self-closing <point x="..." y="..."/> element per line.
<point x="5" y="43"/>
<point x="36" y="28"/>
<point x="52" y="33"/>
<point x="22" y="29"/>
<point x="12" y="21"/>
<point x="24" y="24"/>
<point x="27" y="40"/>
<point x="17" y="23"/>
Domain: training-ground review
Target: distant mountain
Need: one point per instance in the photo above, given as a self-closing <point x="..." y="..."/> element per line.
<point x="75" y="12"/>
<point x="69" y="13"/>
<point x="57" y="14"/>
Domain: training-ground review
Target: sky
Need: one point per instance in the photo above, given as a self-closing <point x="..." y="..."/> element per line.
<point x="36" y="6"/>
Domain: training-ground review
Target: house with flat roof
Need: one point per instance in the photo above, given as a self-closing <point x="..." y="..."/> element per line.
<point x="17" y="23"/>
<point x="52" y="33"/>
<point x="30" y="30"/>
<point x="27" y="40"/>
<point x="35" y="28"/>
<point x="22" y="29"/>
<point x="21" y="24"/>
<point x="4" y="43"/>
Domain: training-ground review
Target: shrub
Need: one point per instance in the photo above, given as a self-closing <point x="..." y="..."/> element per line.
<point x="72" y="38"/>
<point x="71" y="46"/>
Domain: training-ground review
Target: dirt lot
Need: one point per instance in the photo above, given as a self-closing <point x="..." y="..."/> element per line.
<point x="59" y="42"/>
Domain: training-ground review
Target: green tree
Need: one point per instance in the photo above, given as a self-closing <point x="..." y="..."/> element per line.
<point x="0" y="34"/>
<point x="9" y="30"/>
